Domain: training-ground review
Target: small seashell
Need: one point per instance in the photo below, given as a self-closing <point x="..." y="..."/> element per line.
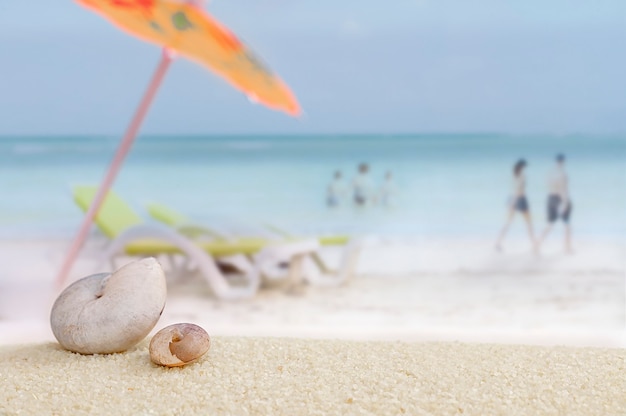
<point x="179" y="344"/>
<point x="110" y="312"/>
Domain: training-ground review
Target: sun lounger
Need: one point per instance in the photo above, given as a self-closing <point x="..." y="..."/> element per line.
<point x="314" y="269"/>
<point x="132" y="236"/>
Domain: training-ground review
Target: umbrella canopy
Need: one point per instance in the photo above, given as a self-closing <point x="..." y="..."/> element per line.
<point x="191" y="32"/>
<point x="184" y="28"/>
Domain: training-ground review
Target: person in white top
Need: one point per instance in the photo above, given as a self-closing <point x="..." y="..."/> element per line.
<point x="559" y="203"/>
<point x="518" y="203"/>
<point x="335" y="191"/>
<point x="362" y="189"/>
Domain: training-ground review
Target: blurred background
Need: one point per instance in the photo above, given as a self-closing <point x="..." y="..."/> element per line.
<point x="443" y="97"/>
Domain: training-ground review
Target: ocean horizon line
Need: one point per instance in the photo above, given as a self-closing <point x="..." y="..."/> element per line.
<point x="327" y="135"/>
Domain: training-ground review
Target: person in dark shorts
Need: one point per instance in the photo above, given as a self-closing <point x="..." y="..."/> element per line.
<point x="559" y="205"/>
<point x="521" y="204"/>
<point x="555" y="202"/>
<point x="518" y="203"/>
<point x="362" y="189"/>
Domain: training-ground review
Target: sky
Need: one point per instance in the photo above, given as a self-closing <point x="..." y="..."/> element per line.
<point x="356" y="66"/>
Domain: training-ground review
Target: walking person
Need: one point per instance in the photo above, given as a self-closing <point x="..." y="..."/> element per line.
<point x="518" y="203"/>
<point x="559" y="203"/>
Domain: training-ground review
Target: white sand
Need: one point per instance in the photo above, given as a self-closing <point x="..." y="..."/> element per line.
<point x="263" y="376"/>
<point x="413" y="292"/>
<point x="441" y="290"/>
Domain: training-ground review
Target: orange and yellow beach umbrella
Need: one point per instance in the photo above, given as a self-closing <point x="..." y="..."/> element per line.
<point x="180" y="28"/>
<point x="184" y="27"/>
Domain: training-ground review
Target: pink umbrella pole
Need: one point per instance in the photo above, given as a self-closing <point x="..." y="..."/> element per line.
<point x="116" y="164"/>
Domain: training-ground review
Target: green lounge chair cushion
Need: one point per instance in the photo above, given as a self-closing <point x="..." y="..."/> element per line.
<point x="166" y="215"/>
<point x="174" y="218"/>
<point x="152" y="247"/>
<point x="115" y="216"/>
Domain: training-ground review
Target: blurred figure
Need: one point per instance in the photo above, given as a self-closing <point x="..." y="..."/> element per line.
<point x="387" y="190"/>
<point x="362" y="189"/>
<point x="336" y="191"/>
<point x="518" y="202"/>
<point x="559" y="202"/>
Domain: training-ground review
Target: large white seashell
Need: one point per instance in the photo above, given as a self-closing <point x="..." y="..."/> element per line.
<point x="179" y="344"/>
<point x="110" y="312"/>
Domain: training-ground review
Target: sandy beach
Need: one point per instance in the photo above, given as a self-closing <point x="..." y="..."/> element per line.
<point x="261" y="376"/>
<point x="424" y="327"/>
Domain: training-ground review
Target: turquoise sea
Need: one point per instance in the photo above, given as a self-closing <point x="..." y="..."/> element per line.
<point x="446" y="185"/>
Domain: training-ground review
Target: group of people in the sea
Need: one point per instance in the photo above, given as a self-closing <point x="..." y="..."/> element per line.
<point x="361" y="191"/>
<point x="558" y="203"/>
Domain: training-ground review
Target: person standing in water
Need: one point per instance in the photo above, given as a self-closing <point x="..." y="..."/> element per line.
<point x="362" y="189"/>
<point x="559" y="202"/>
<point x="518" y="203"/>
<point x="335" y="191"/>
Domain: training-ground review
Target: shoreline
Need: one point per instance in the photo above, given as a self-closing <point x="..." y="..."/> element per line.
<point x="37" y="333"/>
<point x="389" y="255"/>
